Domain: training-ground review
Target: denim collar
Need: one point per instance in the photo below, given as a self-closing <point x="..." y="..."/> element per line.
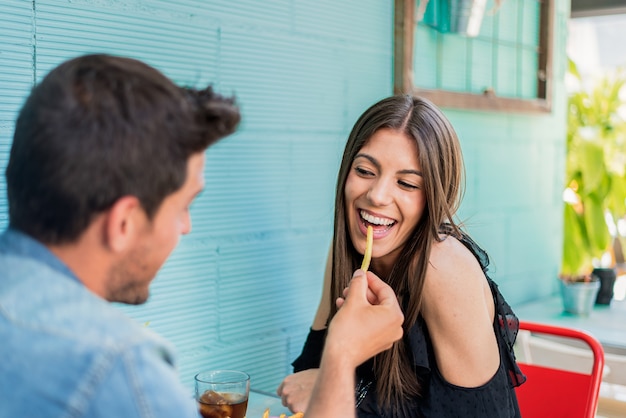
<point x="14" y="242"/>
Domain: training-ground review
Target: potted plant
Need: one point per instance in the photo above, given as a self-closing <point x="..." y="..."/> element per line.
<point x="595" y="188"/>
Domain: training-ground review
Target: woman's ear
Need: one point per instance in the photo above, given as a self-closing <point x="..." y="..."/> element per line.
<point x="124" y="221"/>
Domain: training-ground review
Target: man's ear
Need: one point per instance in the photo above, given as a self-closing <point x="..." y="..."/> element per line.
<point x="124" y="221"/>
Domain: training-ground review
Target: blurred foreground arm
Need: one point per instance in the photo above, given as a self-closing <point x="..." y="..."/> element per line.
<point x="369" y="321"/>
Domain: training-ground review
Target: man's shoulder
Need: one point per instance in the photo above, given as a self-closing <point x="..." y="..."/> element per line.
<point x="62" y="344"/>
<point x="35" y="298"/>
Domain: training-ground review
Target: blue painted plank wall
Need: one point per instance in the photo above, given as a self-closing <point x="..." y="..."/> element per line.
<point x="240" y="291"/>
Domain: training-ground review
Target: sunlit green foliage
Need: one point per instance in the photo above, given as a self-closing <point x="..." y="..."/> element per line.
<point x="595" y="171"/>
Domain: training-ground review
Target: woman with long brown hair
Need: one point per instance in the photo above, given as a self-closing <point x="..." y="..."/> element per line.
<point x="402" y="174"/>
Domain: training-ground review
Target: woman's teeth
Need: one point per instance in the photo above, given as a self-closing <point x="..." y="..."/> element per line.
<point x="375" y="220"/>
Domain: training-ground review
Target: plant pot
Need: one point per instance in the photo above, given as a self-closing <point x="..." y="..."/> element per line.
<point x="579" y="297"/>
<point x="607" y="277"/>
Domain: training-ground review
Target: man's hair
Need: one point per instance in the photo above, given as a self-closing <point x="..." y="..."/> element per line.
<point x="100" y="127"/>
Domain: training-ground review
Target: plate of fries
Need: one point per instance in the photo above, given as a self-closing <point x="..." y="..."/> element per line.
<point x="266" y="414"/>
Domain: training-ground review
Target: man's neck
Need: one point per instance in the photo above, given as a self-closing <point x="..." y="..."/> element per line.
<point x="87" y="258"/>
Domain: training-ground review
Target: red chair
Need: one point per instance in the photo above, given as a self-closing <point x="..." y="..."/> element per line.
<point x="554" y="393"/>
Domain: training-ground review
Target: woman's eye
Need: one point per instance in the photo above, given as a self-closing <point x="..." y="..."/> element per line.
<point x="363" y="172"/>
<point x="408" y="185"/>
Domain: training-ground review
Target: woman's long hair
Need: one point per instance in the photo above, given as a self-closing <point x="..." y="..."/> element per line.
<point x="441" y="163"/>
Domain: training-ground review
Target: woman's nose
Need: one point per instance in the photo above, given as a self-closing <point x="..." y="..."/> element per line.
<point x="379" y="193"/>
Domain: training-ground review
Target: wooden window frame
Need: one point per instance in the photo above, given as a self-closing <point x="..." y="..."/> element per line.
<point x="404" y="39"/>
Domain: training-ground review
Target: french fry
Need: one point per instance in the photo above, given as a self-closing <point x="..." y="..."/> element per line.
<point x="367" y="257"/>
<point x="266" y="414"/>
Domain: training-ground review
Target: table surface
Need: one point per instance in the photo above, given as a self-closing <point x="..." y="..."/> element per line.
<point x="606" y="322"/>
<point x="259" y="401"/>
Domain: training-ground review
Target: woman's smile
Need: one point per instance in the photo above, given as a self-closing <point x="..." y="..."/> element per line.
<point x="380" y="224"/>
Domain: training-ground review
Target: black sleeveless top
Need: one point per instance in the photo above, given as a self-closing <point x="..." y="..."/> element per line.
<point x="495" y="399"/>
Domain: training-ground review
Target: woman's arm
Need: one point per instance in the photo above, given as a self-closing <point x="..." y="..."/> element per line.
<point x="459" y="311"/>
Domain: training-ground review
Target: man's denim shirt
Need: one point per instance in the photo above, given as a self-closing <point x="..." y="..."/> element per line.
<point x="65" y="352"/>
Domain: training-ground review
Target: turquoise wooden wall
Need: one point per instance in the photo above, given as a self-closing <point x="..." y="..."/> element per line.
<point x="240" y="291"/>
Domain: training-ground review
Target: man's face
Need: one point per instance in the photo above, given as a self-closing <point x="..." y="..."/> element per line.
<point x="130" y="279"/>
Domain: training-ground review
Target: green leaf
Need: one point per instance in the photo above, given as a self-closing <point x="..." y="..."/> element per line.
<point x="572" y="68"/>
<point x="595" y="223"/>
<point x="616" y="201"/>
<point x="591" y="164"/>
<point x="574" y="242"/>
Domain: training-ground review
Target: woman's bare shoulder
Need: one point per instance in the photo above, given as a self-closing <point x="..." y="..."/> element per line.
<point x="451" y="260"/>
<point x="453" y="278"/>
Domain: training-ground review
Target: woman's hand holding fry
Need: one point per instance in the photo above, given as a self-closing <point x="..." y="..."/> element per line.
<point x="295" y="389"/>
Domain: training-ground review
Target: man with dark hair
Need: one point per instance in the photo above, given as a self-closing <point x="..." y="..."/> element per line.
<point x="107" y="156"/>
